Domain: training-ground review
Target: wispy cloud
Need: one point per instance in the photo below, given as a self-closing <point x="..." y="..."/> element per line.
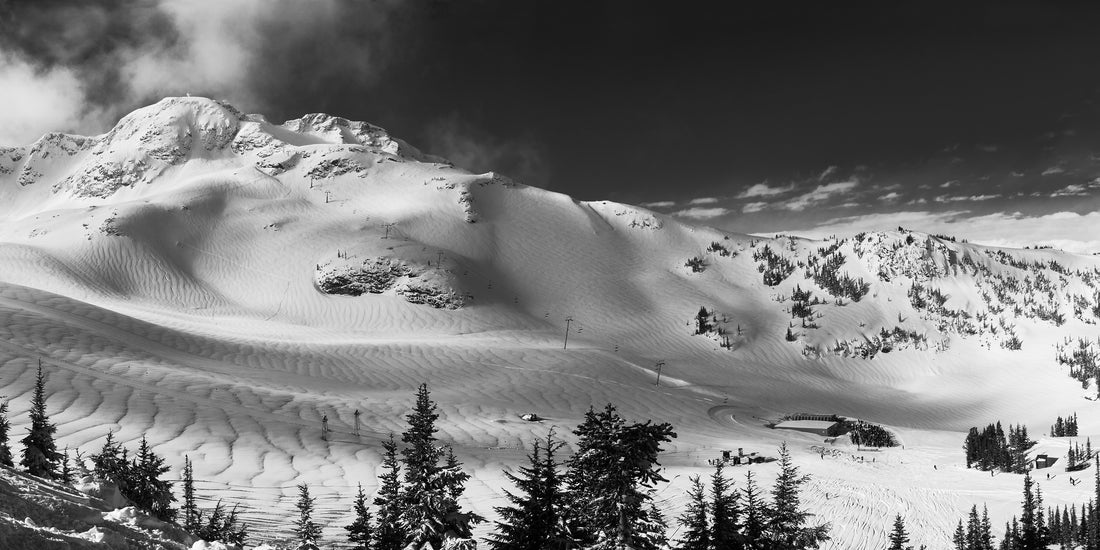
<point x="765" y="190"/>
<point x="476" y="150"/>
<point x="820" y="194"/>
<point x="659" y="204"/>
<point x="701" y="213"/>
<point x="1077" y="189"/>
<point x="704" y="200"/>
<point x="751" y="207"/>
<point x="1072" y="190"/>
<point x="1054" y="170"/>
<point x="965" y="198"/>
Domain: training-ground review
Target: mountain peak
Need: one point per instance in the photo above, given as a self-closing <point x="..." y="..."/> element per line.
<point x="153" y="140"/>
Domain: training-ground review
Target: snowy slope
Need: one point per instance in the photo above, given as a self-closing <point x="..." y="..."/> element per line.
<point x="220" y="283"/>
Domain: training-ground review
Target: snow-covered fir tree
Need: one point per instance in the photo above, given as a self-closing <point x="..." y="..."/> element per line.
<point x="611" y="478"/>
<point x="5" y="427"/>
<point x="694" y="521"/>
<point x="361" y="530"/>
<point x="534" y="519"/>
<point x="40" y="456"/>
<point x="898" y="536"/>
<point x="389" y="533"/>
<point x="724" y="510"/>
<point x="754" y="515"/>
<point x="189" y="510"/>
<point x="306" y="531"/>
<point x="787" y="527"/>
<point x="149" y="492"/>
<point x="430" y="513"/>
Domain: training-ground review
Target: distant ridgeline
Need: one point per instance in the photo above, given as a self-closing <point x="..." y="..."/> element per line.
<point x="1008" y="290"/>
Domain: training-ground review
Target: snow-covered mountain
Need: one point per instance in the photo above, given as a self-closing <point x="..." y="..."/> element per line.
<point x="220" y="283"/>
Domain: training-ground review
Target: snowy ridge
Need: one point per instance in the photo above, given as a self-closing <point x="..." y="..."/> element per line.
<point x="181" y="276"/>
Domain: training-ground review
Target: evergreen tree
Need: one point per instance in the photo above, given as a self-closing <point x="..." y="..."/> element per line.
<point x="231" y="534"/>
<point x="222" y="527"/>
<point x="754" y="515"/>
<point x="898" y="537"/>
<point x="431" y="512"/>
<point x="702" y="324"/>
<point x="1094" y="521"/>
<point x="40" y="456"/>
<point x="191" y="515"/>
<point x="534" y="519"/>
<point x="212" y="530"/>
<point x="66" y="468"/>
<point x="149" y="492"/>
<point x="360" y="532"/>
<point x="1029" y="537"/>
<point x="786" y="528"/>
<point x="697" y="531"/>
<point x="973" y="530"/>
<point x="959" y="538"/>
<point x="613" y="473"/>
<point x="389" y="534"/>
<point x="109" y="463"/>
<point x="5" y="427"/>
<point x="454" y="481"/>
<point x="724" y="512"/>
<point x="972" y="446"/>
<point x="305" y="530"/>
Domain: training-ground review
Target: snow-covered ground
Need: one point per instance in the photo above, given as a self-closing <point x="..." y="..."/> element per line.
<point x="219" y="283"/>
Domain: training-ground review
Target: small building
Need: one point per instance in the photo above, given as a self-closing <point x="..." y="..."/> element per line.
<point x="1044" y="461"/>
<point x="810" y="416"/>
<point x="828" y="428"/>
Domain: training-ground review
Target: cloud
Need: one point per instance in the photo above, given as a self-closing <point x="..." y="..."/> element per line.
<point x="703" y="200"/>
<point x="1012" y="230"/>
<point x="988" y="148"/>
<point x="753" y="207"/>
<point x="1072" y="190"/>
<point x="476" y="150"/>
<point x="698" y="213"/>
<point x="92" y="62"/>
<point x="37" y="100"/>
<point x="963" y="198"/>
<point x="947" y="184"/>
<point x="820" y="194"/>
<point x="1053" y="170"/>
<point x="659" y="204"/>
<point x="830" y="171"/>
<point x="892" y="196"/>
<point x="765" y="190"/>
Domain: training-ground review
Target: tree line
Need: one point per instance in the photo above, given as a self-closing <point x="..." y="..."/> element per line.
<point x="988" y="449"/>
<point x="601" y="497"/>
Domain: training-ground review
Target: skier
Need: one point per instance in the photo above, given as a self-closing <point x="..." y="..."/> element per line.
<point x="324" y="428"/>
<point x="356" y="422"/>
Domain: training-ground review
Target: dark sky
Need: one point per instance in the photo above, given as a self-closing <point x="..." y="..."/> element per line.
<point x="774" y="116"/>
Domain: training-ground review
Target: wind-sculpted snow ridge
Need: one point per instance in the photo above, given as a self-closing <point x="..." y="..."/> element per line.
<point x="221" y="283"/>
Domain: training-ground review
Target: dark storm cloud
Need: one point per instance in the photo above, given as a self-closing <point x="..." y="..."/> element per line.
<point x="95" y="61"/>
